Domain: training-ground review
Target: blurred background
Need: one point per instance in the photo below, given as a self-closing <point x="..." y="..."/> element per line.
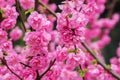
<point x="110" y="50"/>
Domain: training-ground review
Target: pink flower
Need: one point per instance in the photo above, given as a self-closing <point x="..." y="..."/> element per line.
<point x="10" y="2"/>
<point x="10" y="12"/>
<point x="3" y="35"/>
<point x="39" y="63"/>
<point x="8" y="23"/>
<point x="37" y="21"/>
<point x="15" y="34"/>
<point x="28" y="73"/>
<point x="93" y="71"/>
<point x="115" y="68"/>
<point x="114" y="60"/>
<point x="104" y="41"/>
<point x="37" y="38"/>
<point x="27" y="4"/>
<point x="54" y="73"/>
<point x="2" y="3"/>
<point x="61" y="54"/>
<point x="118" y="51"/>
<point x="90" y="8"/>
<point x="69" y="75"/>
<point x="7" y="46"/>
<point x="38" y="41"/>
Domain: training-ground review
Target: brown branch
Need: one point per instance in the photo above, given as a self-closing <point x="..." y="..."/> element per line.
<point x="99" y="61"/>
<point x="111" y="8"/>
<point x="38" y="76"/>
<point x="36" y="5"/>
<point x="5" y="63"/>
<point x="53" y="13"/>
<point x="88" y="49"/>
<point x="48" y="69"/>
<point x="25" y="65"/>
<point x="81" y="69"/>
<point x="20" y="15"/>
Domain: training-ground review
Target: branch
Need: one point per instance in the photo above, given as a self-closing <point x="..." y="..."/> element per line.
<point x="86" y="46"/>
<point x="111" y="8"/>
<point x="50" y="65"/>
<point x="20" y="14"/>
<point x="5" y="63"/>
<point x="81" y="69"/>
<point x="36" y="5"/>
<point x="99" y="61"/>
<point x="53" y="13"/>
<point x="38" y="76"/>
<point x="25" y="65"/>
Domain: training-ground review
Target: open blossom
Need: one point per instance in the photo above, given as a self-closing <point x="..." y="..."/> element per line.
<point x="39" y="63"/>
<point x="27" y="4"/>
<point x="71" y="28"/>
<point x="3" y="35"/>
<point x="7" y="46"/>
<point x="61" y="54"/>
<point x="2" y="3"/>
<point x="28" y="73"/>
<point x="15" y="34"/>
<point x="8" y="23"/>
<point x="38" y="41"/>
<point x="69" y="75"/>
<point x="37" y="38"/>
<point x="10" y="2"/>
<point x="73" y="19"/>
<point x="37" y="21"/>
<point x="90" y="8"/>
<point x="10" y="12"/>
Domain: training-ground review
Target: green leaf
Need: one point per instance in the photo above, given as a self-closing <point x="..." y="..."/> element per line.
<point x="108" y="66"/>
<point x="70" y="15"/>
<point x="2" y="12"/>
<point x="29" y="11"/>
<point x="94" y="61"/>
<point x="82" y="72"/>
<point x="73" y="51"/>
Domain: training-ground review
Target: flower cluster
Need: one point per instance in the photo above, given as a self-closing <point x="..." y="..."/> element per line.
<point x="45" y="50"/>
<point x="73" y="19"/>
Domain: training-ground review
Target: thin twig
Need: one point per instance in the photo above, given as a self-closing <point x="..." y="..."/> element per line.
<point x="5" y="63"/>
<point x="38" y="76"/>
<point x="20" y="15"/>
<point x="50" y="65"/>
<point x="48" y="8"/>
<point x="36" y="5"/>
<point x="90" y="51"/>
<point x="111" y="8"/>
<point x="25" y="65"/>
<point x="99" y="61"/>
<point x="81" y="69"/>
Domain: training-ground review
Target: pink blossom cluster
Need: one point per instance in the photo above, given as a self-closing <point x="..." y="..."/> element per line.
<point x="100" y="27"/>
<point x="73" y="19"/>
<point x="10" y="15"/>
<point x="43" y="52"/>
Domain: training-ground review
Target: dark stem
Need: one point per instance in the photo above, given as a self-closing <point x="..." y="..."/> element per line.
<point x="38" y="76"/>
<point x="36" y="5"/>
<point x="81" y="69"/>
<point x="111" y="8"/>
<point x="50" y="65"/>
<point x="25" y="65"/>
<point x="20" y="15"/>
<point x="5" y="63"/>
<point x="53" y="13"/>
<point x="99" y="61"/>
